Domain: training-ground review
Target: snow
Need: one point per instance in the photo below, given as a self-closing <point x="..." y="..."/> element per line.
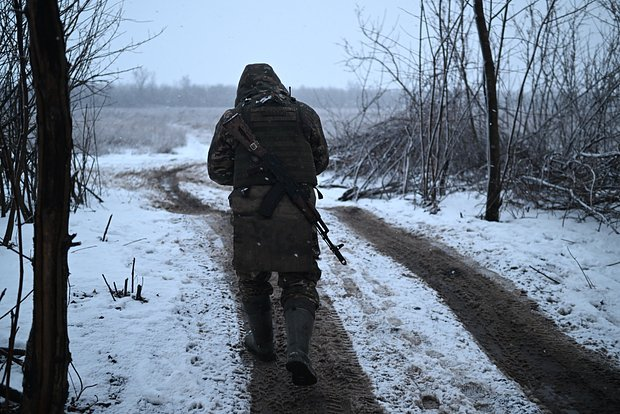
<point x="529" y="251"/>
<point x="179" y="351"/>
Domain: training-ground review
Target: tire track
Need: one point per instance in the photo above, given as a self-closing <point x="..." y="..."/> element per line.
<point x="343" y="387"/>
<point x="554" y="370"/>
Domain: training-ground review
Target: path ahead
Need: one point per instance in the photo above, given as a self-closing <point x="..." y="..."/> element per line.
<point x="343" y="387"/>
<point x="556" y="372"/>
<point x="524" y="344"/>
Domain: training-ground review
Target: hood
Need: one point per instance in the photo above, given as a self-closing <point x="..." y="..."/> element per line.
<point x="259" y="80"/>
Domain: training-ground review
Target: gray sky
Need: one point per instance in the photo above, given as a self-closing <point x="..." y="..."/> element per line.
<point x="212" y="41"/>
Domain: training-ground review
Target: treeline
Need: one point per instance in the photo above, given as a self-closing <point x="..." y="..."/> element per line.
<point x="134" y="95"/>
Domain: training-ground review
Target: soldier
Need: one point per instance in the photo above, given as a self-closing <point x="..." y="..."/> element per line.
<point x="282" y="240"/>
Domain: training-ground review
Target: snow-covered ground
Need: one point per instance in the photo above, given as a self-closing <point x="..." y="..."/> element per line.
<point x="179" y="350"/>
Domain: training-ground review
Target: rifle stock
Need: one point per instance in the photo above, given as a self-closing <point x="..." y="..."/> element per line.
<point x="237" y="127"/>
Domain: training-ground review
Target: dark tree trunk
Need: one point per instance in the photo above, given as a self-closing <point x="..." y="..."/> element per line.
<point x="494" y="187"/>
<point x="47" y="354"/>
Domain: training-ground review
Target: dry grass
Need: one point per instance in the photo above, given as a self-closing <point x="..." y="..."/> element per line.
<point x="153" y="130"/>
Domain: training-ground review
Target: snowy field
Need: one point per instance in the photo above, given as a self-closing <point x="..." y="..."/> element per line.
<point x="179" y="350"/>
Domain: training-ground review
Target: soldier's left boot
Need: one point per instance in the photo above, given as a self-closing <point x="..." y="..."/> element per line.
<point x="260" y="340"/>
<point x="299" y="326"/>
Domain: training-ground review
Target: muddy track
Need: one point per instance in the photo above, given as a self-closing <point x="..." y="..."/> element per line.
<point x="343" y="386"/>
<point x="555" y="371"/>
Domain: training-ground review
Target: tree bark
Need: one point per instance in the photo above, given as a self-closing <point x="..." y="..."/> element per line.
<point x="47" y="353"/>
<point x="494" y="187"/>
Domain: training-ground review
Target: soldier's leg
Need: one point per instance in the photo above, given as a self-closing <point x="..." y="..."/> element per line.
<point x="255" y="291"/>
<point x="300" y="301"/>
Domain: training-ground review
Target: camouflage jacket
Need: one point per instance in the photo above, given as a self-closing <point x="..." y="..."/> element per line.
<point x="285" y="242"/>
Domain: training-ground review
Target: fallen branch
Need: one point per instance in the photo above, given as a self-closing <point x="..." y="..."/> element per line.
<point x="13" y="355"/>
<point x="545" y="275"/>
<point x="16" y="351"/>
<point x="135" y="241"/>
<point x="94" y="194"/>
<point x="83" y="248"/>
<point x="355" y="193"/>
<point x="572" y="195"/>
<point x="590" y="284"/>
<point x="10" y="394"/>
<point x="602" y="155"/>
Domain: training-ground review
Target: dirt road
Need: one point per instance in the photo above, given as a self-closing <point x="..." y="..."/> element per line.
<point x="555" y="372"/>
<point x="524" y="344"/>
<point x="343" y="387"/>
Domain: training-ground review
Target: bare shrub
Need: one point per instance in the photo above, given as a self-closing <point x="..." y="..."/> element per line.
<point x="559" y="110"/>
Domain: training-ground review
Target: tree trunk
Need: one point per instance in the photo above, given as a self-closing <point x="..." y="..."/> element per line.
<point x="494" y="187"/>
<point x="47" y="354"/>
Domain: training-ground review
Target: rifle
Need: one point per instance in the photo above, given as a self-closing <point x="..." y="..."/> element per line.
<point x="242" y="133"/>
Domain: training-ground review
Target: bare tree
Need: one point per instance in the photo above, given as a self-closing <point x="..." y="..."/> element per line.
<point x="47" y="353"/>
<point x="548" y="99"/>
<point x="494" y="186"/>
<point x="424" y="72"/>
<point x="88" y="29"/>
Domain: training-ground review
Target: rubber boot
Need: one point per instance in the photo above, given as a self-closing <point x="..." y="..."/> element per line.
<point x="299" y="327"/>
<point x="260" y="340"/>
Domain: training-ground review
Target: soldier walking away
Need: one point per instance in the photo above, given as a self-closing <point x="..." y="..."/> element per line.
<point x="270" y="233"/>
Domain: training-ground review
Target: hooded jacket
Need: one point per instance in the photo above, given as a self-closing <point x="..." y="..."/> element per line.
<point x="260" y="82"/>
<point x="284" y="242"/>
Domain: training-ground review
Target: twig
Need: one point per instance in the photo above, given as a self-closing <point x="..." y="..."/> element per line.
<point x="545" y="275"/>
<point x="94" y="195"/>
<point x="11" y="248"/>
<point x="16" y="351"/>
<point x="590" y="284"/>
<point x="613" y="264"/>
<point x="13" y="355"/>
<point x="11" y="310"/>
<point x="106" y="228"/>
<point x="83" y="248"/>
<point x="2" y="294"/>
<point x="135" y="241"/>
<point x="125" y="289"/>
<point x="12" y="394"/>
<point x="109" y="288"/>
<point x="82" y="387"/>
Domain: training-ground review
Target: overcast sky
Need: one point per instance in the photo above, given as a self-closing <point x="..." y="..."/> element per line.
<point x="211" y="41"/>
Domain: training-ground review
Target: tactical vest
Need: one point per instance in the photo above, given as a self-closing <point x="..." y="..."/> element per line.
<point x="278" y="129"/>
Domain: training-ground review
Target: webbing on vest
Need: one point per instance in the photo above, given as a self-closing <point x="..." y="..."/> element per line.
<point x="278" y="129"/>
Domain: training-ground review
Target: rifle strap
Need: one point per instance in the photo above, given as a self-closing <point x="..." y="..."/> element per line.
<point x="244" y="135"/>
<point x="271" y="200"/>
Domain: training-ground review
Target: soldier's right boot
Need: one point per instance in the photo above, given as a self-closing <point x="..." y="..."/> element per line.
<point x="299" y="327"/>
<point x="260" y="340"/>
